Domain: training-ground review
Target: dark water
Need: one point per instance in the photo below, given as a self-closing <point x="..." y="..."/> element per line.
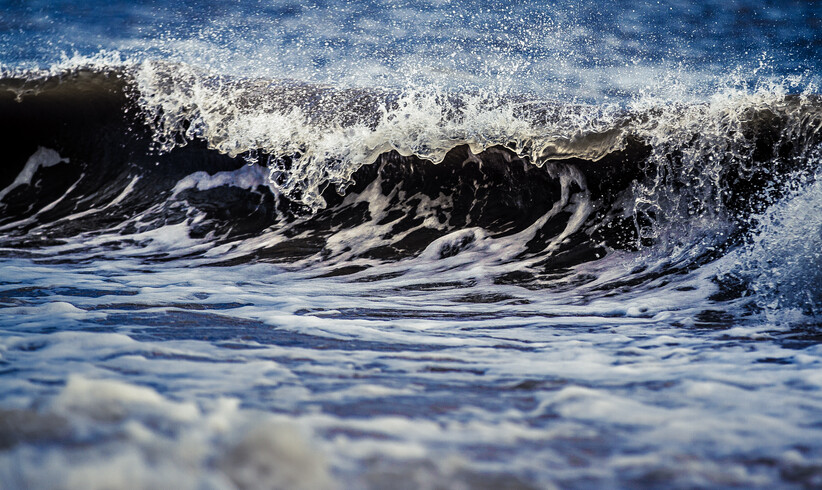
<point x="418" y="245"/>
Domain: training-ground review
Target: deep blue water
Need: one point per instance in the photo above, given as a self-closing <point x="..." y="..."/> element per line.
<point x="573" y="49"/>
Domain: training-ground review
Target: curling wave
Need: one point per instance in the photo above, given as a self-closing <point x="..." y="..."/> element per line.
<point x="283" y="170"/>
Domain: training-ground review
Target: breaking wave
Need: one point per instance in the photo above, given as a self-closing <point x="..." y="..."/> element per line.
<point x="287" y="171"/>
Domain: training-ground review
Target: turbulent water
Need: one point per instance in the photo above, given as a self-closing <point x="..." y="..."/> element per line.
<point x="410" y="245"/>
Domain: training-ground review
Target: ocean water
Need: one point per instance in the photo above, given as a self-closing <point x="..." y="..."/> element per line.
<point x="448" y="244"/>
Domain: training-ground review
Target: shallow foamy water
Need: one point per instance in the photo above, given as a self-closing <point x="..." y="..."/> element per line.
<point x="123" y="373"/>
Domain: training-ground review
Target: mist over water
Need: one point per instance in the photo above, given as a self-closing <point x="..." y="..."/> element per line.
<point x="410" y="245"/>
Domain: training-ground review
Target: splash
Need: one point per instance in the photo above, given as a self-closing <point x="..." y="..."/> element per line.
<point x="783" y="259"/>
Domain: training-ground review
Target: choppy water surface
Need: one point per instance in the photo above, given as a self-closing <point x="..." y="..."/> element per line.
<point x="420" y="245"/>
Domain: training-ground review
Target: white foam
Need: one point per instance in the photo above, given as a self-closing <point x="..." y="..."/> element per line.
<point x="143" y="440"/>
<point x="111" y="399"/>
<point x="248" y="177"/>
<point x="42" y="158"/>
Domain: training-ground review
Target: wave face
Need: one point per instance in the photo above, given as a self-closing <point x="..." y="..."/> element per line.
<point x="364" y="245"/>
<point x="239" y="159"/>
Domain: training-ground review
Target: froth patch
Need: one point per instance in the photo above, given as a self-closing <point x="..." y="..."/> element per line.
<point x="42" y="158"/>
<point x="110" y="399"/>
<point x="248" y="177"/>
<point x="453" y="243"/>
<point x="274" y="455"/>
<point x="102" y="434"/>
<point x="50" y="313"/>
